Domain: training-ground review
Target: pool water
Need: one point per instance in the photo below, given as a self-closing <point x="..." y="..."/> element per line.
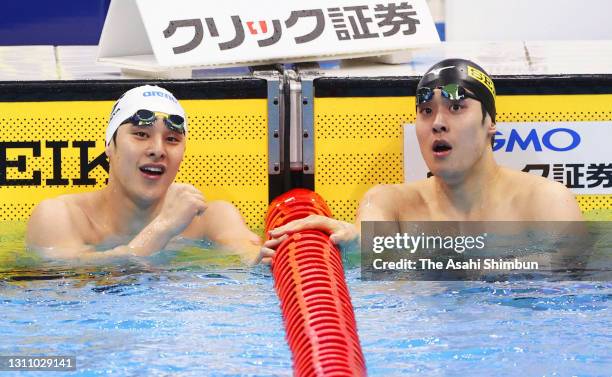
<point x="200" y="314"/>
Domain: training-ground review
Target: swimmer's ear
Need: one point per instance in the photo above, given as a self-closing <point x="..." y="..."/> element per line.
<point x="109" y="149"/>
<point x="491" y="126"/>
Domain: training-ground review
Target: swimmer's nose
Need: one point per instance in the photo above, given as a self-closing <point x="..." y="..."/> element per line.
<point x="439" y="126"/>
<point x="156" y="148"/>
<point x="439" y="123"/>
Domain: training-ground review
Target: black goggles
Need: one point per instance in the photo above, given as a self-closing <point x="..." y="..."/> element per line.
<point x="452" y="92"/>
<point x="146" y="118"/>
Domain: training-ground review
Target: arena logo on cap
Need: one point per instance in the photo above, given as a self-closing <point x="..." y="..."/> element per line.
<point x="482" y="77"/>
<point x="159" y="94"/>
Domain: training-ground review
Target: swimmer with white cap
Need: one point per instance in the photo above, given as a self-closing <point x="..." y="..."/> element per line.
<point x="141" y="209"/>
<point x="455" y="126"/>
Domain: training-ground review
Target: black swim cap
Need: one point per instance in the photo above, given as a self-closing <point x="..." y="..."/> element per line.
<point x="465" y="73"/>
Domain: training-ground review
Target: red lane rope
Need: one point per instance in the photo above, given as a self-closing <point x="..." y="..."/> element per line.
<point x="315" y="301"/>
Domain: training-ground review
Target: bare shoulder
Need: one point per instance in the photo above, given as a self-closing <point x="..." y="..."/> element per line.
<point x="554" y="201"/>
<point x="380" y="195"/>
<point x="391" y="193"/>
<point x="546" y="199"/>
<point x="416" y="200"/>
<point x="385" y="202"/>
<point x="414" y="193"/>
<point x="49" y="213"/>
<point x="54" y="223"/>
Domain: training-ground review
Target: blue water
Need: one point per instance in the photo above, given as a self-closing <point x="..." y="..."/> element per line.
<point x="205" y="317"/>
<point x="227" y="322"/>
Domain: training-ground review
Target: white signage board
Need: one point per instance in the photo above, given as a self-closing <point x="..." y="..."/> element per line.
<point x="527" y="20"/>
<point x="573" y="153"/>
<point x="154" y="35"/>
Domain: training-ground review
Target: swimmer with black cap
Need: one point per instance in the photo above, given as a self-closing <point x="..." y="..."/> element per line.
<point x="142" y="209"/>
<point x="455" y="126"/>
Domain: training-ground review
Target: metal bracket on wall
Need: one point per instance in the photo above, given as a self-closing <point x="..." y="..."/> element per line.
<point x="301" y="133"/>
<point x="300" y="125"/>
<point x="307" y="106"/>
<point x="275" y="123"/>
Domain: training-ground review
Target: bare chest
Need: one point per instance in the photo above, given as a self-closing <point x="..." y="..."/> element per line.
<point x="500" y="209"/>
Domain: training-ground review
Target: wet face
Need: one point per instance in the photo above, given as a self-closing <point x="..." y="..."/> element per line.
<point x="144" y="160"/>
<point x="452" y="135"/>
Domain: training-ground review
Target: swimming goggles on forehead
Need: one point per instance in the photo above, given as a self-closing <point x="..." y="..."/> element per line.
<point x="146" y="118"/>
<point x="452" y="92"/>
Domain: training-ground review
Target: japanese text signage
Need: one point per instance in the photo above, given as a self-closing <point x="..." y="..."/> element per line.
<point x="201" y="33"/>
<point x="569" y="152"/>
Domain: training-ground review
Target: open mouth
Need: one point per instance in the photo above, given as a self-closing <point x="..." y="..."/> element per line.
<point x="441" y="147"/>
<point x="154" y="170"/>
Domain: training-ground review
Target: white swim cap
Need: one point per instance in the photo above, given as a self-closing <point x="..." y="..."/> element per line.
<point x="146" y="97"/>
